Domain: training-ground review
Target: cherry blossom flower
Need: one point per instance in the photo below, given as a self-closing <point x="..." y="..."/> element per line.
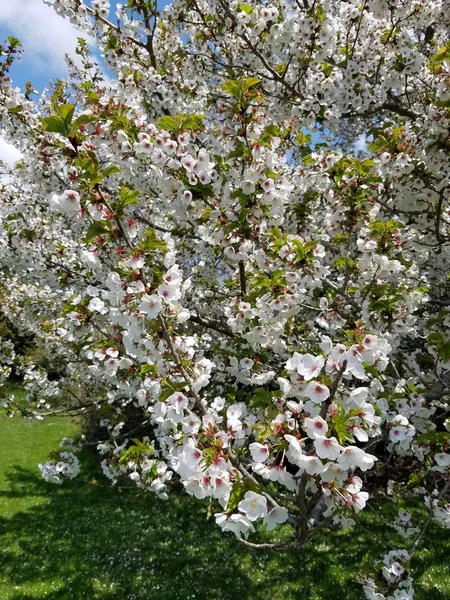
<point x="137" y="261"/>
<point x="333" y="472"/>
<point x="178" y="401"/>
<point x="310" y="366"/>
<point x="317" y="392"/>
<point x="356" y="457"/>
<point x="254" y="506"/>
<point x="294" y="451"/>
<point x="315" y="427"/>
<point x="311" y="464"/>
<point x="150" y="305"/>
<point x="97" y="305"/>
<point x="327" y="447"/>
<point x="275" y="516"/>
<point x="237" y="523"/>
<point x="260" y="452"/>
<point x="359" y="395"/>
<point x="68" y="202"/>
<point x="359" y="500"/>
<point x="443" y="461"/>
<point x="169" y="292"/>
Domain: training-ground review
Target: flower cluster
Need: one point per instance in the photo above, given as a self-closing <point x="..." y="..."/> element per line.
<point x="397" y="584"/>
<point x="68" y="467"/>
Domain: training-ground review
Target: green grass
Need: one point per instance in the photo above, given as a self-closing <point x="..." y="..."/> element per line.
<point x="77" y="541"/>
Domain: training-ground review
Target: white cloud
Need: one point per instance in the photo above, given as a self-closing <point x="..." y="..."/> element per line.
<point x="45" y="36"/>
<point x="360" y="146"/>
<point x="9" y="154"/>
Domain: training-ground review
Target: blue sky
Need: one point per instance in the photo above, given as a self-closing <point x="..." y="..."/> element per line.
<point x="46" y="38"/>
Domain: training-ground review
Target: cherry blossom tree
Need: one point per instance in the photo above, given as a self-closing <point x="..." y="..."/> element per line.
<point x="234" y="254"/>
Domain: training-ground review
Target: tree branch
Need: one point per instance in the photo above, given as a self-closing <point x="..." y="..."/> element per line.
<point x="242" y="278"/>
<point x="210" y="325"/>
<point x="285" y="546"/>
<point x="333" y="390"/>
<point x="430" y="516"/>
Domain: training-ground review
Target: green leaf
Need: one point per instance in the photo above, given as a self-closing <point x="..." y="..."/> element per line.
<point x="339" y="425"/>
<point x="436" y="338"/>
<point x="13" y="41"/>
<point x="442" y="54"/>
<point x="269" y="132"/>
<point x="110" y="170"/>
<point x="191" y="122"/>
<point x="168" y="123"/>
<point x="61" y="121"/>
<point x="96" y="229"/>
<point x="66" y="112"/>
<point x="238" y="87"/>
<point x="366" y="165"/>
<point x="128" y="196"/>
<point x="444" y="351"/>
<point x="240" y="151"/>
<point x="265" y="431"/>
<point x="237" y="494"/>
<point x="112" y="43"/>
<point x="165" y="394"/>
<point x="94" y="160"/>
<point x="434" y="438"/>
<point x="151" y="242"/>
<point x="137" y="452"/>
<point x="250" y="82"/>
<point x="310" y="246"/>
<point x="245" y="8"/>
<point x="88" y="164"/>
<point x="144" y="369"/>
<point x="414" y="480"/>
<point x="233" y="88"/>
<point x="320" y="14"/>
<point x="299" y="250"/>
<point x="169" y="388"/>
<point x="83" y="120"/>
<point x="276" y="233"/>
<point x="54" y="124"/>
<point x="29" y="234"/>
<point x="260" y="398"/>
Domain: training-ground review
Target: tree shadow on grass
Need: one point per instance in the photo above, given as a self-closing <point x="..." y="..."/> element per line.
<point x="88" y="542"/>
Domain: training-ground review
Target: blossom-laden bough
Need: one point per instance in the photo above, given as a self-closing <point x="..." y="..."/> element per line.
<point x="229" y="289"/>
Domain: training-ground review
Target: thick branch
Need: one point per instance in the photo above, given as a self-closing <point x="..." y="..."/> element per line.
<point x="151" y="29"/>
<point x="389" y="106"/>
<point x="317" y="513"/>
<point x="333" y="390"/>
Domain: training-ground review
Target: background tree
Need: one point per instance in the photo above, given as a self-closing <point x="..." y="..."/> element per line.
<point x="231" y="293"/>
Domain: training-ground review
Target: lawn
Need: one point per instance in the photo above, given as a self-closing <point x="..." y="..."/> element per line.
<point x="79" y="541"/>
